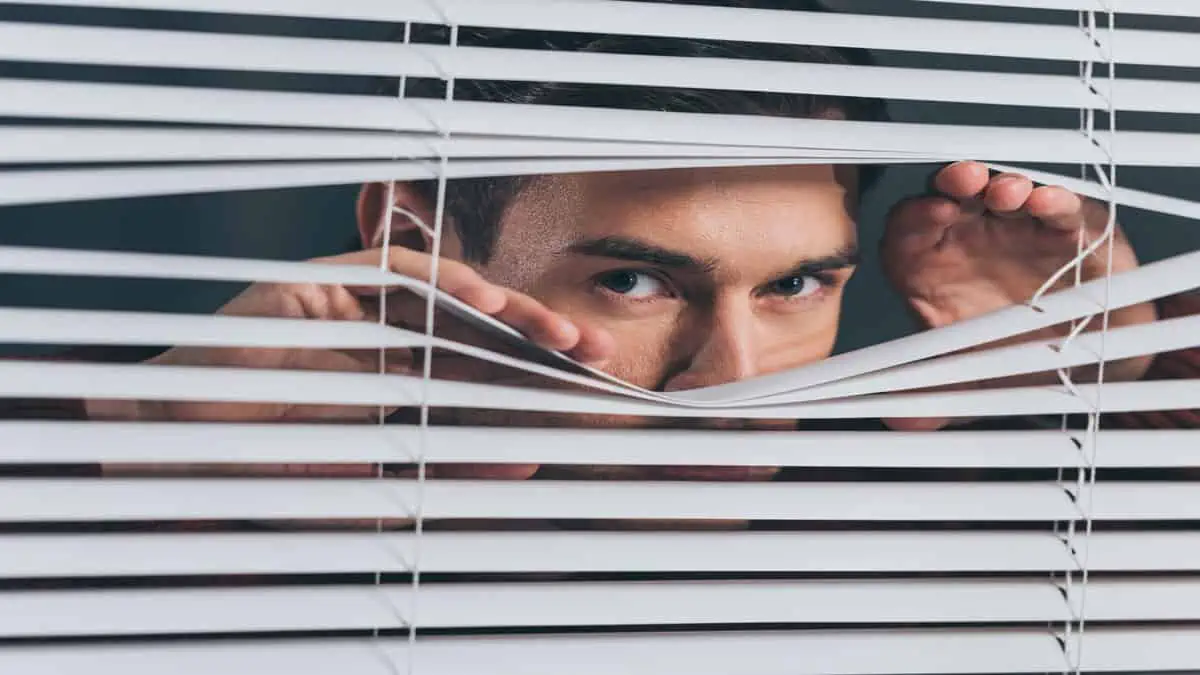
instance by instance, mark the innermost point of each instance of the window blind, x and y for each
(1069, 548)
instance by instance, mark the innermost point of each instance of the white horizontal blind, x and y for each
(951, 552)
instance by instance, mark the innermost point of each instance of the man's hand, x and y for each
(546, 328)
(987, 242)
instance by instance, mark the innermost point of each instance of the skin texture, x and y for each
(670, 280)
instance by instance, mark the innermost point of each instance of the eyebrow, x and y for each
(847, 256)
(635, 250)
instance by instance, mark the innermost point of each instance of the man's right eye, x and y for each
(632, 284)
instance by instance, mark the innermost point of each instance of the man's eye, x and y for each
(796, 286)
(632, 284)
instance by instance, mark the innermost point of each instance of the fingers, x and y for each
(544, 327)
(1007, 193)
(453, 278)
(541, 325)
(1012, 195)
(1057, 208)
(551, 330)
(962, 180)
(538, 323)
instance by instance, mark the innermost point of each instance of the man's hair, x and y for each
(476, 206)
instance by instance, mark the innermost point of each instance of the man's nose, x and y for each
(724, 351)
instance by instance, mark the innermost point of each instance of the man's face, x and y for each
(701, 276)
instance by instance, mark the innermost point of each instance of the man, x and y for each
(670, 279)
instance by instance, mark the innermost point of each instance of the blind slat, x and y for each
(1149, 7)
(134, 102)
(48, 186)
(175, 383)
(272, 54)
(773, 653)
(51, 442)
(78, 327)
(40, 500)
(1165, 277)
(151, 103)
(166, 553)
(893, 83)
(892, 652)
(58, 144)
(725, 23)
(55, 326)
(186, 49)
(856, 138)
(913, 84)
(562, 604)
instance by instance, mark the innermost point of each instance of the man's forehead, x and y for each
(752, 220)
(792, 202)
(730, 223)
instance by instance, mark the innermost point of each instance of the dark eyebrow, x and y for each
(847, 256)
(635, 250)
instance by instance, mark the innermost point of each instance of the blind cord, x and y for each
(430, 306)
(385, 241)
(1094, 419)
(1085, 476)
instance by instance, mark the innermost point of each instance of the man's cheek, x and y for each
(792, 347)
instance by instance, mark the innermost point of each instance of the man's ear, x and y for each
(411, 216)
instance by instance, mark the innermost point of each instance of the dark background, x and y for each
(303, 223)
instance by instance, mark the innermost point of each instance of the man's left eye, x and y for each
(796, 286)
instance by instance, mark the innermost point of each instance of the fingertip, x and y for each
(962, 180)
(558, 333)
(595, 346)
(1053, 201)
(1008, 192)
(568, 333)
